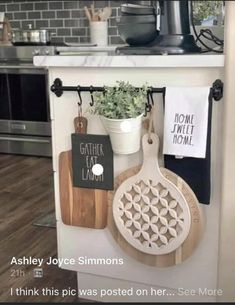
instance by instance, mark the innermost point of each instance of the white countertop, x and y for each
(110, 60)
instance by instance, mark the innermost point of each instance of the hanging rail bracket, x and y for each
(217, 90)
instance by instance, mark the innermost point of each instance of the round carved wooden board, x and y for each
(189, 244)
(149, 210)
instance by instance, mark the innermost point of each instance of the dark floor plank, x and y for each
(26, 193)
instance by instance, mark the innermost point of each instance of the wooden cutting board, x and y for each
(149, 210)
(190, 243)
(80, 207)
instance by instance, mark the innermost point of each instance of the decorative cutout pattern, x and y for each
(150, 218)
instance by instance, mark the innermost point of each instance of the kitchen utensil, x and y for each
(150, 211)
(94, 14)
(101, 14)
(79, 206)
(190, 243)
(99, 33)
(31, 36)
(88, 15)
(5, 31)
(92, 11)
(2, 17)
(2, 23)
(138, 33)
(105, 13)
(96, 17)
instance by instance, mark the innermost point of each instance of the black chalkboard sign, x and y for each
(91, 153)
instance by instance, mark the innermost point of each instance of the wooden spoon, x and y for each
(87, 13)
(94, 15)
(107, 12)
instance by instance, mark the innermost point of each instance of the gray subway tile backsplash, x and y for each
(115, 40)
(24, 24)
(13, 7)
(26, 7)
(41, 6)
(84, 39)
(66, 18)
(42, 24)
(56, 23)
(77, 14)
(113, 21)
(83, 22)
(100, 4)
(112, 31)
(79, 32)
(34, 15)
(2, 7)
(87, 3)
(48, 15)
(71, 23)
(20, 16)
(70, 5)
(64, 32)
(55, 5)
(72, 39)
(10, 16)
(63, 14)
(16, 24)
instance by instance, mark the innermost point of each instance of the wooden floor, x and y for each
(26, 193)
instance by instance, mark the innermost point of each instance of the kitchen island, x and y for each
(107, 59)
(129, 280)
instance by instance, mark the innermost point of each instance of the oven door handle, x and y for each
(25, 140)
(21, 69)
(20, 66)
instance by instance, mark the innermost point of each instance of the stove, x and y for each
(25, 126)
(26, 53)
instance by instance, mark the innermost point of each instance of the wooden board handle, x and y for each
(80, 125)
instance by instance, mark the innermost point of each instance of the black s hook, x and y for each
(92, 97)
(151, 96)
(148, 107)
(79, 95)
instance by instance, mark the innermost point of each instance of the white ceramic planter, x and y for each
(124, 134)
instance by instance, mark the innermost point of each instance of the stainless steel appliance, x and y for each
(24, 102)
(175, 36)
(31, 36)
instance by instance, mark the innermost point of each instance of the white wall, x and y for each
(226, 279)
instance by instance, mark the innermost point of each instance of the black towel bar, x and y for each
(58, 89)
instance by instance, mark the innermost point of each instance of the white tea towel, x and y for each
(186, 120)
(2, 16)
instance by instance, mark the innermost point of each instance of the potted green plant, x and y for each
(121, 109)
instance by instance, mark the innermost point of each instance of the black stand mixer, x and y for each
(162, 28)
